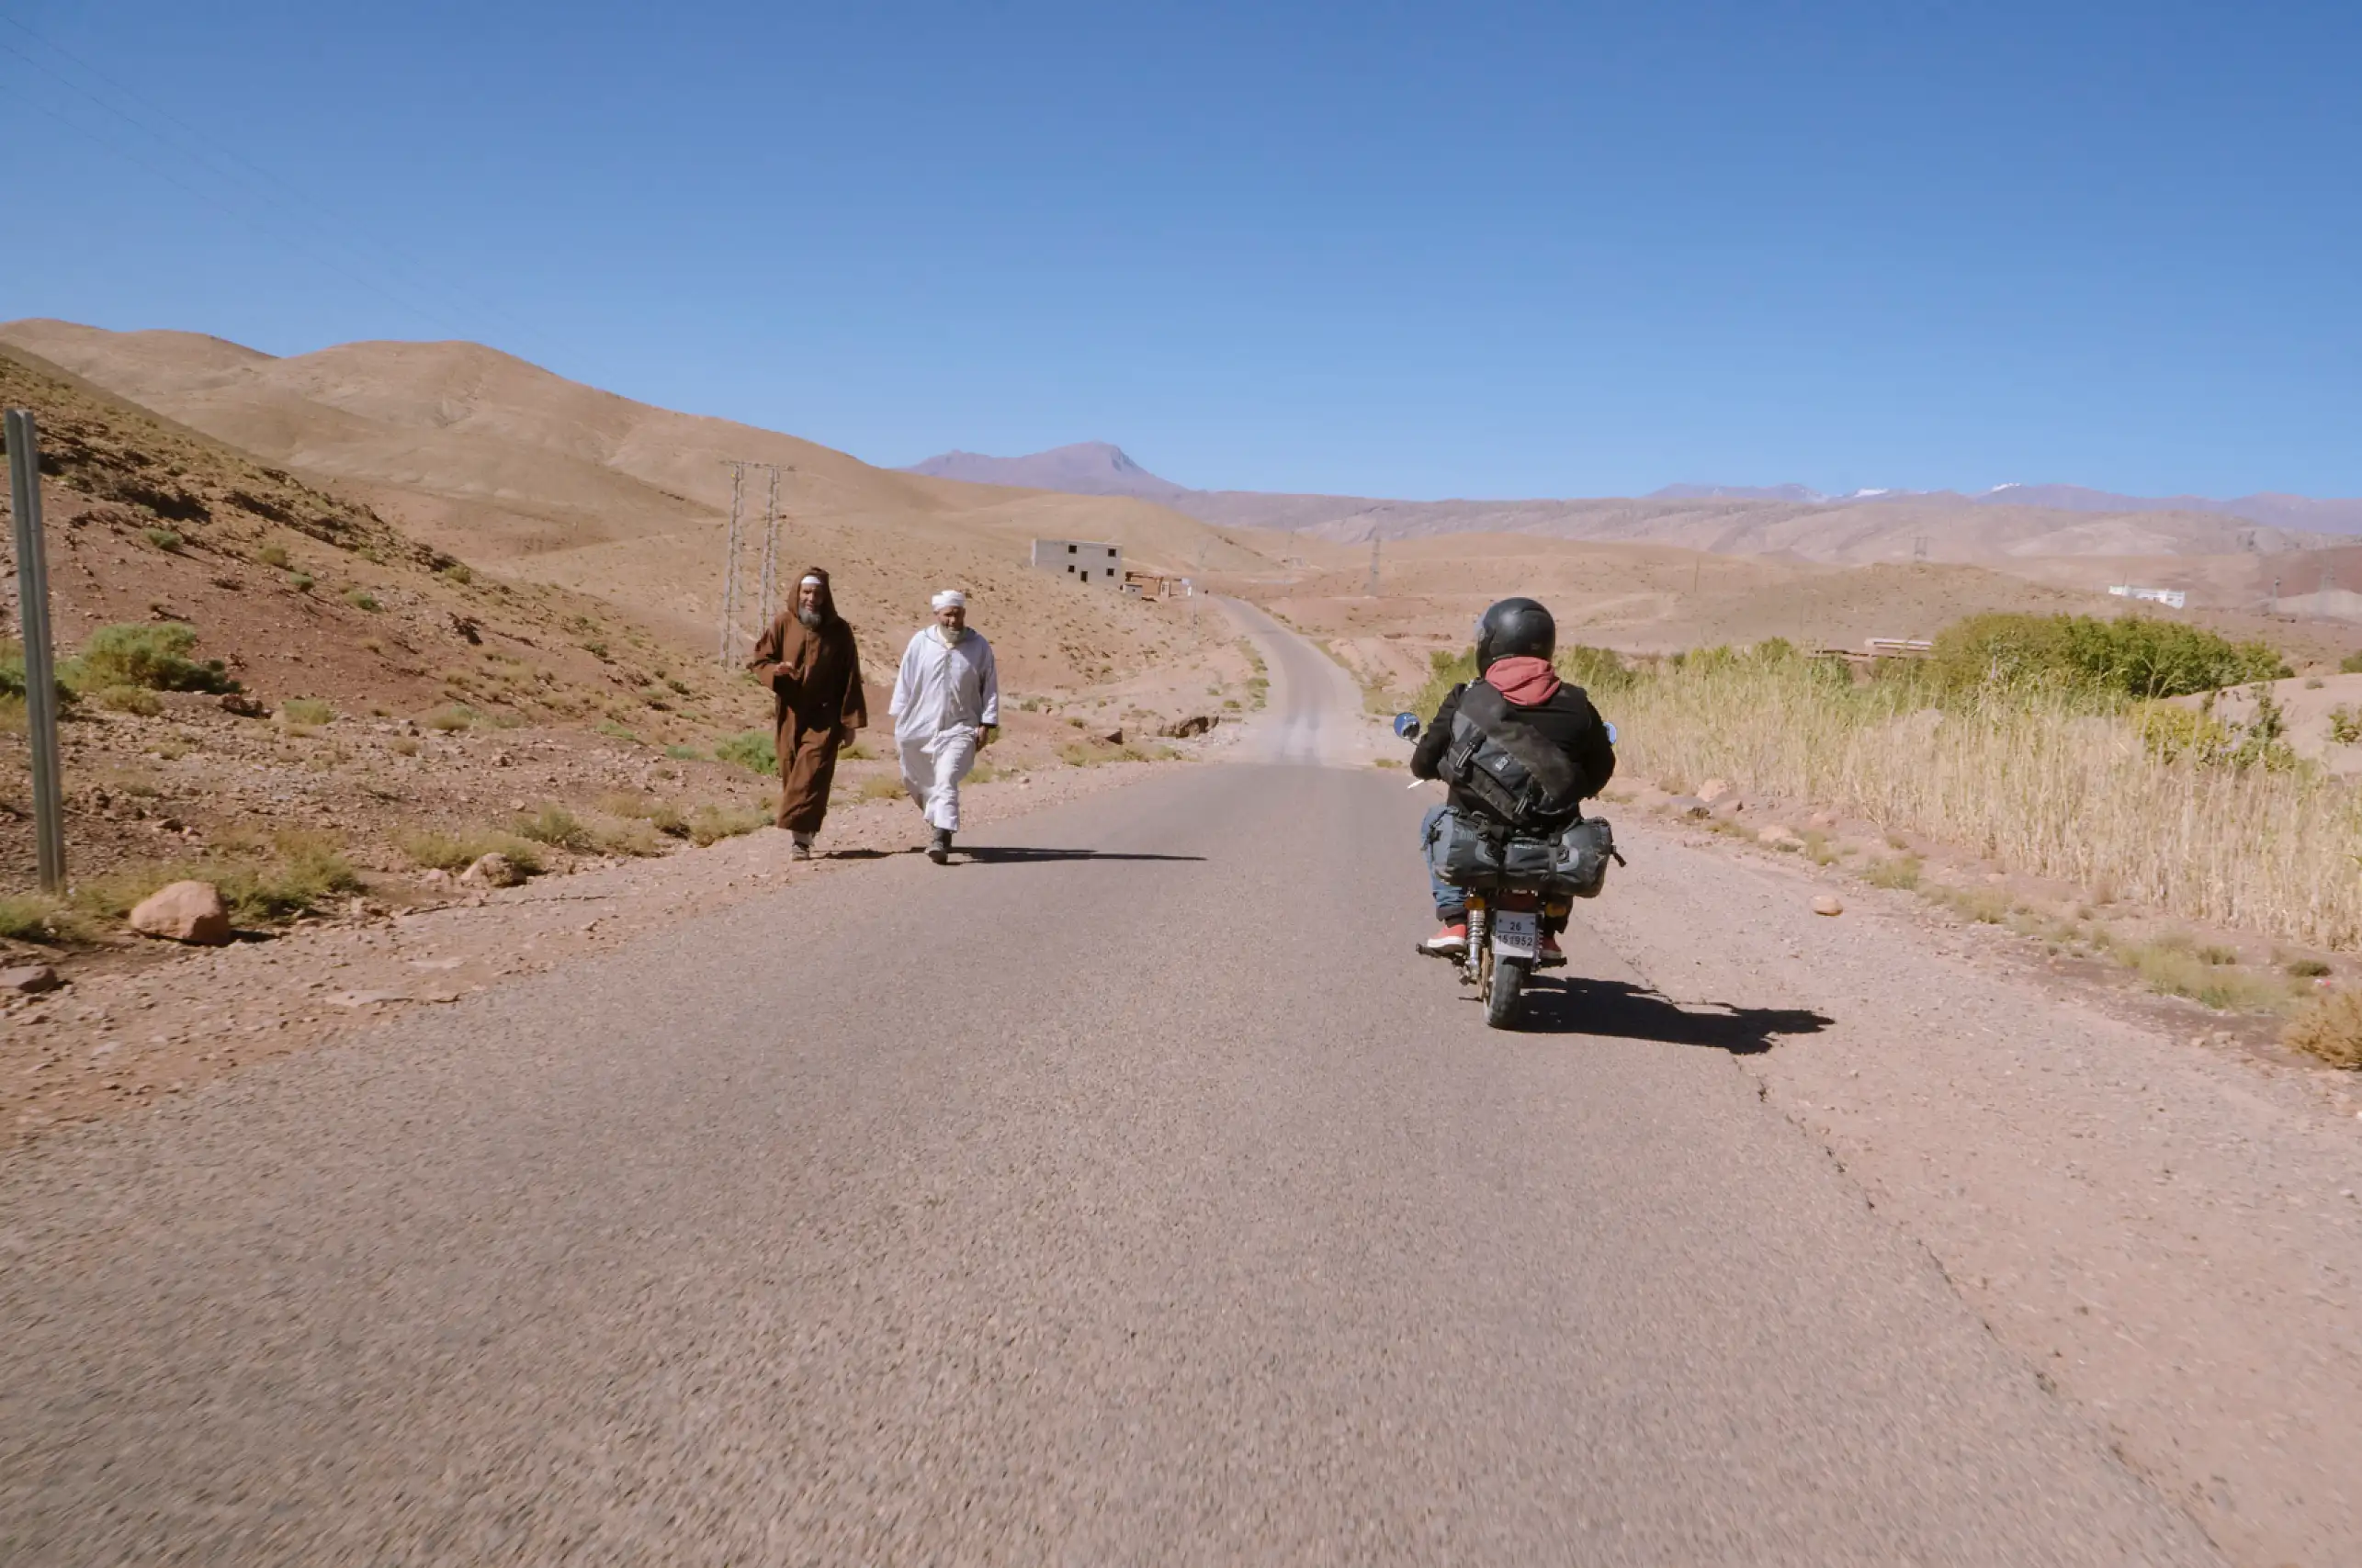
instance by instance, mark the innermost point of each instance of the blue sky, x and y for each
(1389, 249)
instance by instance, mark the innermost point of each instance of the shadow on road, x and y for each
(988, 855)
(1615, 1007)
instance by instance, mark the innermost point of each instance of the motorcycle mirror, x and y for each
(1406, 726)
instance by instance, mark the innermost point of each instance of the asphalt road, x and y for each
(1129, 1193)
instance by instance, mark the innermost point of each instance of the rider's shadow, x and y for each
(1617, 1009)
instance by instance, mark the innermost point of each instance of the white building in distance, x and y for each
(2172, 598)
(1085, 560)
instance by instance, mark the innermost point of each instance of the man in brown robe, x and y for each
(808, 660)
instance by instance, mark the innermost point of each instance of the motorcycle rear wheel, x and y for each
(1501, 995)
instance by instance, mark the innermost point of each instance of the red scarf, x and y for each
(1527, 682)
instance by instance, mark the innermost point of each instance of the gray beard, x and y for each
(811, 618)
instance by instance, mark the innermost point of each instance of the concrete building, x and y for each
(1085, 560)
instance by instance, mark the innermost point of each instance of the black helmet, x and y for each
(1514, 628)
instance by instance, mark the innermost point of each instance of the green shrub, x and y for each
(2305, 968)
(458, 572)
(2132, 656)
(39, 918)
(1902, 872)
(300, 581)
(272, 556)
(457, 716)
(163, 540)
(684, 753)
(756, 750)
(361, 599)
(2345, 726)
(150, 654)
(1596, 670)
(2351, 664)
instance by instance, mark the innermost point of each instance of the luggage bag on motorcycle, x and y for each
(1467, 852)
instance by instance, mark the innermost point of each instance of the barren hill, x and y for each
(1999, 528)
(507, 465)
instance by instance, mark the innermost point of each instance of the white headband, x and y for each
(814, 582)
(951, 598)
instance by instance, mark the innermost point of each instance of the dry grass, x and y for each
(882, 786)
(299, 871)
(2044, 784)
(711, 824)
(456, 849)
(2331, 1029)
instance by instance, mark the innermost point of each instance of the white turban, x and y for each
(814, 582)
(951, 599)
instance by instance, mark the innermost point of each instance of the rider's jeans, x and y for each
(1450, 906)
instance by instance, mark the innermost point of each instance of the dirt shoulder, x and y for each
(2166, 1225)
(158, 1020)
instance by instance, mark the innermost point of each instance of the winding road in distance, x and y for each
(1129, 1194)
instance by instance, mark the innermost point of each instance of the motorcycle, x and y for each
(1514, 882)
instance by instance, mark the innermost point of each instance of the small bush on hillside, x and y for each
(458, 572)
(2305, 968)
(457, 716)
(152, 654)
(2331, 1029)
(137, 700)
(300, 581)
(2351, 664)
(362, 599)
(39, 918)
(1596, 670)
(2345, 726)
(711, 824)
(756, 750)
(2132, 656)
(163, 540)
(555, 825)
(456, 848)
(272, 556)
(307, 710)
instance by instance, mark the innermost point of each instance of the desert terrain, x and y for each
(677, 1095)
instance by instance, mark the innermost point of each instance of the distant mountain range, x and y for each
(1777, 519)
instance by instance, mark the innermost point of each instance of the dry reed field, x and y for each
(2040, 782)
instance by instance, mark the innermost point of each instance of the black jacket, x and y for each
(1567, 721)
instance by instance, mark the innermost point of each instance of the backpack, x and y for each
(1507, 767)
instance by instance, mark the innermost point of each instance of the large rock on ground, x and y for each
(184, 911)
(29, 979)
(494, 869)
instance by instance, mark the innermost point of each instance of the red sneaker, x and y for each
(1552, 955)
(1452, 942)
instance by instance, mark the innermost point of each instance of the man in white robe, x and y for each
(946, 707)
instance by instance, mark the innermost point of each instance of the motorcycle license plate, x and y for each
(1517, 933)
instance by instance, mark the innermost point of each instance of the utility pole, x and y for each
(41, 657)
(734, 590)
(769, 551)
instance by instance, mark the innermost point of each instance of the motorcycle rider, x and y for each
(1515, 641)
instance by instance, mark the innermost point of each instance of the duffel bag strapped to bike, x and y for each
(1583, 852)
(1508, 767)
(1477, 854)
